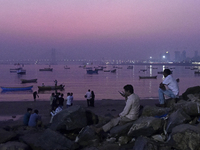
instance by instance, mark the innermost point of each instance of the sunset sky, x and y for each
(96, 29)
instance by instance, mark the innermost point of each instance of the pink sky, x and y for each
(90, 26)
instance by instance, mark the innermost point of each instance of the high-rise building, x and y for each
(177, 56)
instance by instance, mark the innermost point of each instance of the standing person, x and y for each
(61, 100)
(52, 97)
(35, 119)
(56, 82)
(88, 96)
(72, 98)
(27, 116)
(92, 99)
(34, 95)
(68, 100)
(171, 84)
(130, 112)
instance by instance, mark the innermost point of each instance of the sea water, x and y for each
(104, 84)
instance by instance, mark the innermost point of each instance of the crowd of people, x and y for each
(168, 87)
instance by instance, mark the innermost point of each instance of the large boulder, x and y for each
(155, 111)
(121, 129)
(146, 126)
(14, 145)
(87, 137)
(47, 140)
(185, 137)
(74, 117)
(177, 118)
(144, 143)
(190, 108)
(6, 136)
(191, 90)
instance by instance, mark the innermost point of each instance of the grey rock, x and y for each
(190, 108)
(87, 137)
(191, 90)
(54, 140)
(146, 126)
(177, 118)
(69, 119)
(155, 111)
(14, 145)
(121, 129)
(6, 136)
(185, 137)
(144, 143)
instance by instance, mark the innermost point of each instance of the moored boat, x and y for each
(21, 71)
(113, 71)
(147, 77)
(16, 88)
(28, 80)
(48, 88)
(90, 71)
(130, 67)
(46, 69)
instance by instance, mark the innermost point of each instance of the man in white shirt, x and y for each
(88, 97)
(172, 88)
(68, 103)
(130, 112)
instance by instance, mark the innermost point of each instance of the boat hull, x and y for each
(49, 88)
(92, 71)
(147, 77)
(46, 69)
(16, 88)
(29, 81)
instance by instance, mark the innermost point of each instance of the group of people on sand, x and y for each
(168, 87)
(90, 98)
(57, 103)
(32, 119)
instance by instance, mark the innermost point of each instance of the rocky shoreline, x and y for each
(174, 127)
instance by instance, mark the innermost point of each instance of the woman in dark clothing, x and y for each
(92, 99)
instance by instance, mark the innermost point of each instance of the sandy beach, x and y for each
(11, 113)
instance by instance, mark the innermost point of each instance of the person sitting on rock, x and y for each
(130, 112)
(172, 90)
(35, 119)
(27, 116)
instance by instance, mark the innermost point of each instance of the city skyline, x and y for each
(98, 29)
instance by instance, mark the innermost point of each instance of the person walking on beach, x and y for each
(172, 90)
(129, 113)
(88, 97)
(35, 94)
(27, 116)
(92, 99)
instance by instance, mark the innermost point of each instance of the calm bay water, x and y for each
(105, 84)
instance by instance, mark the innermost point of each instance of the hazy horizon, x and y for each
(98, 29)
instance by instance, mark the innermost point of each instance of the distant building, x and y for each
(177, 56)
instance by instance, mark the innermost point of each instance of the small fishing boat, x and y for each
(130, 67)
(90, 71)
(21, 71)
(48, 88)
(15, 69)
(106, 71)
(113, 71)
(197, 72)
(161, 72)
(28, 80)
(66, 67)
(46, 69)
(16, 88)
(147, 77)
